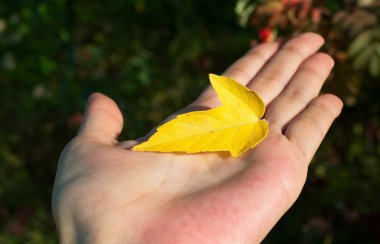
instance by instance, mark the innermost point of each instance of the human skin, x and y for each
(106, 193)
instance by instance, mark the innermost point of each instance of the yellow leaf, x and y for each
(235, 126)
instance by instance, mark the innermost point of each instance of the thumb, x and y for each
(102, 120)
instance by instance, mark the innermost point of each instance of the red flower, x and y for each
(265, 34)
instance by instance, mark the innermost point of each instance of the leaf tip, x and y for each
(212, 76)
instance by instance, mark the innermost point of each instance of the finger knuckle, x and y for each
(313, 73)
(274, 76)
(238, 73)
(297, 96)
(256, 53)
(325, 103)
(294, 50)
(315, 125)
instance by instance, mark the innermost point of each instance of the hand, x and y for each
(106, 193)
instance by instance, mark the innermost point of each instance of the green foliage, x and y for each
(153, 57)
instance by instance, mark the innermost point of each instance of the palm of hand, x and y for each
(124, 183)
(199, 198)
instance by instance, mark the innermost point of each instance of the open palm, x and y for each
(106, 193)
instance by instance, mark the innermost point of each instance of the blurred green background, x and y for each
(153, 57)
